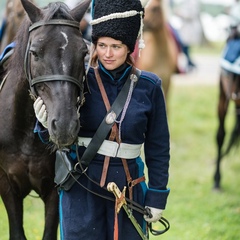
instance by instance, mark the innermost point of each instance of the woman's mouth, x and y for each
(108, 61)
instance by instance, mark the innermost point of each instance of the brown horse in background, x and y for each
(13, 16)
(160, 54)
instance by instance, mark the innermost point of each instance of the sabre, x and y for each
(112, 187)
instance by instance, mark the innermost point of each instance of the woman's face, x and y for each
(111, 53)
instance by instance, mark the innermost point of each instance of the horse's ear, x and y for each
(79, 11)
(33, 12)
(145, 3)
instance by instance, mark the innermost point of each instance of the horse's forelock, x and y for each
(57, 10)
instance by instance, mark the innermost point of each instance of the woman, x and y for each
(88, 214)
(190, 31)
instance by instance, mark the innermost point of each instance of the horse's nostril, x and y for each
(74, 127)
(54, 125)
(64, 133)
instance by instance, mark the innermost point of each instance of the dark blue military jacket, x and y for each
(145, 122)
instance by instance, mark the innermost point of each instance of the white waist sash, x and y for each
(113, 149)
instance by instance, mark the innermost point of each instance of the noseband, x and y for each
(55, 77)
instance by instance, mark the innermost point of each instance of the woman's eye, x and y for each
(101, 45)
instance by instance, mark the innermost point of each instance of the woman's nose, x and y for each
(108, 52)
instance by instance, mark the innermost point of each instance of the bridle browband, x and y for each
(66, 22)
(55, 77)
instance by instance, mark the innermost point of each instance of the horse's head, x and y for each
(154, 18)
(54, 65)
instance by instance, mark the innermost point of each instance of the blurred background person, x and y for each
(230, 60)
(190, 28)
(234, 14)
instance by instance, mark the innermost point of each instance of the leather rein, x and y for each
(55, 77)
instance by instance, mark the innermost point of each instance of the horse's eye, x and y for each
(39, 87)
(36, 57)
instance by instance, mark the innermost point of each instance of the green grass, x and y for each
(194, 211)
(33, 219)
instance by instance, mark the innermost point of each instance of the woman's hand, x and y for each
(40, 111)
(154, 216)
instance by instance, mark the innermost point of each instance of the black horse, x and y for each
(48, 60)
(229, 90)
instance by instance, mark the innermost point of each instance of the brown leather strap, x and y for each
(131, 183)
(129, 178)
(113, 131)
(102, 89)
(138, 180)
(107, 158)
(104, 171)
(112, 137)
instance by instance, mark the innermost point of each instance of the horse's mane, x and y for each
(55, 10)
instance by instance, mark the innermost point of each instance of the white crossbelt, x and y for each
(113, 149)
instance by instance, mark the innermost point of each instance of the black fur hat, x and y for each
(118, 19)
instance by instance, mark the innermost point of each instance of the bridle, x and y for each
(55, 77)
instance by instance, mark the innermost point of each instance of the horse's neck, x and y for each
(158, 39)
(15, 91)
(16, 115)
(160, 53)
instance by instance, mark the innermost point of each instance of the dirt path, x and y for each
(207, 72)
